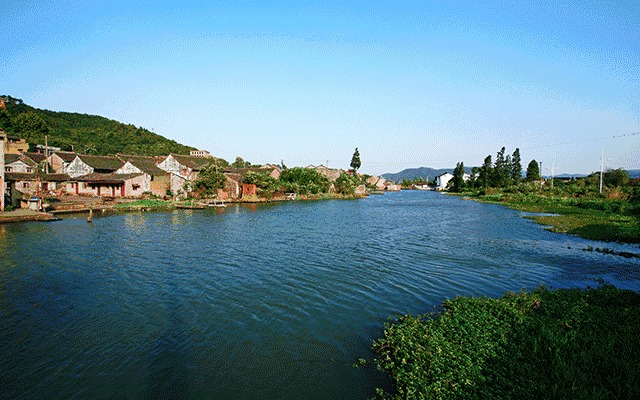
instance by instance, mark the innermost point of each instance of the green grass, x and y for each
(592, 217)
(548, 344)
(146, 204)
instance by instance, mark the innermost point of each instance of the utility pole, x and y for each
(46, 154)
(553, 165)
(541, 176)
(601, 168)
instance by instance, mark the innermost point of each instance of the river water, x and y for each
(257, 302)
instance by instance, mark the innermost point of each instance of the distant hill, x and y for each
(422, 172)
(82, 133)
(634, 173)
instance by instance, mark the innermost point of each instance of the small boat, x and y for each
(217, 203)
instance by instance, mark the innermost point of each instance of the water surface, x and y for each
(269, 302)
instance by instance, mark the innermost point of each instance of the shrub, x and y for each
(546, 344)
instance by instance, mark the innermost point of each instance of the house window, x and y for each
(29, 170)
(25, 185)
(8, 169)
(135, 186)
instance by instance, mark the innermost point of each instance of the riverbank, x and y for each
(25, 216)
(595, 219)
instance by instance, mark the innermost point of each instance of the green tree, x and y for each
(516, 166)
(209, 181)
(304, 181)
(616, 177)
(486, 172)
(458, 178)
(501, 171)
(533, 171)
(355, 160)
(346, 184)
(30, 124)
(266, 184)
(240, 163)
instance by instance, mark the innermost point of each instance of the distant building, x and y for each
(442, 180)
(3, 138)
(199, 153)
(15, 145)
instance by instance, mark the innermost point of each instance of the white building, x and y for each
(442, 180)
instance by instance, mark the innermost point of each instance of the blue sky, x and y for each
(409, 83)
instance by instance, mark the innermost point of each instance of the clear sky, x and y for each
(410, 83)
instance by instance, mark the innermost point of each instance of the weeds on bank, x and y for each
(547, 344)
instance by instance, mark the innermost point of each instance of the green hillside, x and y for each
(83, 133)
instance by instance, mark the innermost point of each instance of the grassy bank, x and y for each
(146, 205)
(594, 217)
(548, 344)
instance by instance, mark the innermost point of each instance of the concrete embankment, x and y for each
(25, 216)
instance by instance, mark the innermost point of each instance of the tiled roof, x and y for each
(144, 163)
(19, 176)
(195, 163)
(245, 171)
(106, 178)
(103, 163)
(36, 157)
(66, 156)
(11, 158)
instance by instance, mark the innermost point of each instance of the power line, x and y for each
(581, 141)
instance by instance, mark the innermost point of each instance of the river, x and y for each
(257, 302)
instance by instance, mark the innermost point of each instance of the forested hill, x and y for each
(422, 172)
(82, 133)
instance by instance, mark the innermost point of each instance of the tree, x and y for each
(240, 163)
(458, 178)
(30, 123)
(533, 171)
(266, 184)
(486, 171)
(355, 160)
(501, 172)
(346, 184)
(209, 181)
(616, 177)
(516, 167)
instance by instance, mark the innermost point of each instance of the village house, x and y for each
(273, 172)
(442, 180)
(15, 145)
(186, 167)
(20, 186)
(60, 160)
(40, 159)
(159, 180)
(19, 163)
(84, 164)
(3, 138)
(199, 153)
(109, 185)
(331, 174)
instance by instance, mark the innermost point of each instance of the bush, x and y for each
(544, 345)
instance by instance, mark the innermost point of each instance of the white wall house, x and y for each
(442, 180)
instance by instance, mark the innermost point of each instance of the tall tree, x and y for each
(533, 171)
(516, 167)
(486, 172)
(501, 171)
(458, 177)
(355, 160)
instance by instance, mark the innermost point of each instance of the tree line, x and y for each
(506, 171)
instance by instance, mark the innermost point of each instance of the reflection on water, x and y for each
(256, 301)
